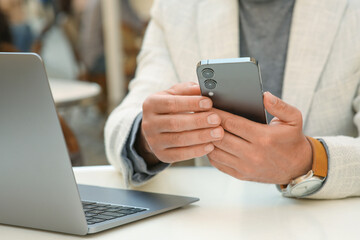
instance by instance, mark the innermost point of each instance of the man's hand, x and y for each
(274, 153)
(177, 124)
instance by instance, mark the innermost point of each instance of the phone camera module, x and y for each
(210, 83)
(207, 73)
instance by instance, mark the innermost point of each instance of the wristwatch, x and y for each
(314, 179)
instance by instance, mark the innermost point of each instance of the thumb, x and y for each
(281, 110)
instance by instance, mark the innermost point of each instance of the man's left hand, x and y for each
(274, 153)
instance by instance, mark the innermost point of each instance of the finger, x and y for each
(187, 88)
(281, 110)
(230, 164)
(236, 174)
(240, 126)
(171, 155)
(246, 163)
(226, 169)
(187, 121)
(176, 104)
(190, 138)
(239, 174)
(225, 158)
(233, 145)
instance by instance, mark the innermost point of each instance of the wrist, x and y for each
(313, 180)
(304, 165)
(144, 150)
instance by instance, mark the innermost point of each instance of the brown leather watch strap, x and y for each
(320, 158)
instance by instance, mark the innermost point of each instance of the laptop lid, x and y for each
(38, 188)
(36, 178)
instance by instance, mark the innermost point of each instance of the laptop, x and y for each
(37, 184)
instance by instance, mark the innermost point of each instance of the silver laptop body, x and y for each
(37, 184)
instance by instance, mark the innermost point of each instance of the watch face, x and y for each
(306, 187)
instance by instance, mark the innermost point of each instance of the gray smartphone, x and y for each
(234, 85)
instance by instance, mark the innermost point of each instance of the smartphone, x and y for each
(234, 85)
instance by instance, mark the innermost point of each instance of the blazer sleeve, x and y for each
(155, 72)
(343, 178)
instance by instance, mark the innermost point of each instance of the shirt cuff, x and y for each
(140, 171)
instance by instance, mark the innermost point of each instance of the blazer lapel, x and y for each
(314, 27)
(218, 29)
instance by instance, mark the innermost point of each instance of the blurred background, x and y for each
(89, 48)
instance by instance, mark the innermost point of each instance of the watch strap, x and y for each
(320, 158)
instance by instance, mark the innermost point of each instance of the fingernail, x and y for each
(213, 119)
(272, 98)
(205, 103)
(209, 148)
(216, 133)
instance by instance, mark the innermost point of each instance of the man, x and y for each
(315, 71)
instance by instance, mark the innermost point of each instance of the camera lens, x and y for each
(208, 73)
(210, 83)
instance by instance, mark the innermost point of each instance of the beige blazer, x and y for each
(321, 77)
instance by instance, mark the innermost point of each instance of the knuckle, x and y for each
(175, 139)
(282, 106)
(227, 123)
(204, 136)
(146, 125)
(193, 104)
(298, 116)
(214, 154)
(146, 106)
(199, 151)
(173, 124)
(170, 104)
(199, 121)
(220, 142)
(190, 104)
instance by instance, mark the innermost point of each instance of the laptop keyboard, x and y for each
(100, 212)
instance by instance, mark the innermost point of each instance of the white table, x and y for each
(73, 92)
(228, 209)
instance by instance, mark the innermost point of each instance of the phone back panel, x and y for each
(238, 87)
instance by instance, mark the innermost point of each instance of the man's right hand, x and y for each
(178, 125)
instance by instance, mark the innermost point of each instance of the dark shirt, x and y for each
(264, 35)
